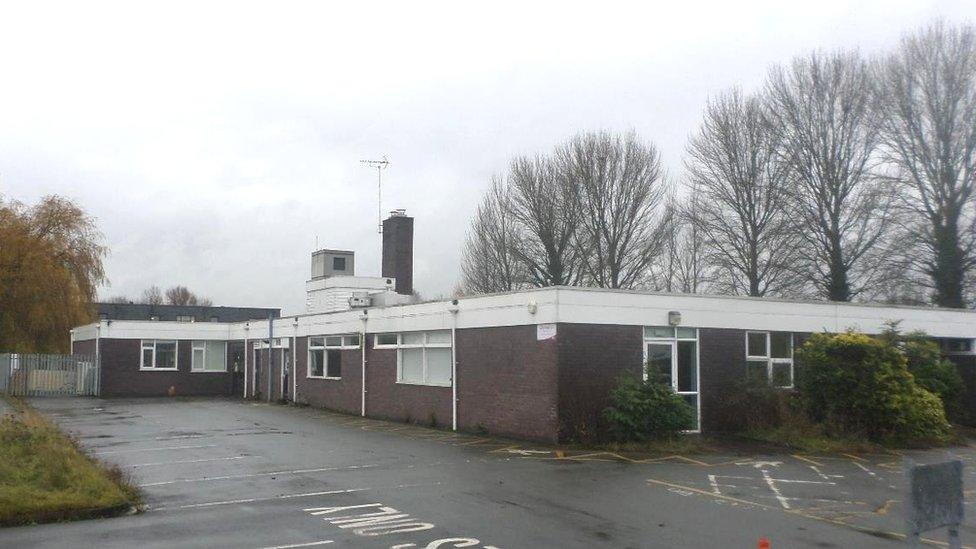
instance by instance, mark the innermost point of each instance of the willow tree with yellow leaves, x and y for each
(50, 266)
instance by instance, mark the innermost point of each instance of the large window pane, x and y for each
(781, 344)
(334, 363)
(333, 341)
(316, 363)
(197, 360)
(216, 356)
(782, 374)
(166, 354)
(687, 366)
(386, 339)
(316, 341)
(687, 333)
(756, 371)
(147, 357)
(756, 344)
(412, 365)
(439, 366)
(659, 362)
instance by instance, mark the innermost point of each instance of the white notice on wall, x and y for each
(545, 331)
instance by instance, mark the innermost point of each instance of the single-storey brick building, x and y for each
(535, 364)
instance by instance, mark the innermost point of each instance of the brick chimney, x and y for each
(398, 250)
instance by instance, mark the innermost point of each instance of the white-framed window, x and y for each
(158, 355)
(325, 355)
(208, 356)
(769, 358)
(671, 355)
(423, 358)
(185, 318)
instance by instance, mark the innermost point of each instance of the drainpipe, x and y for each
(247, 351)
(362, 343)
(294, 364)
(270, 351)
(454, 400)
(98, 359)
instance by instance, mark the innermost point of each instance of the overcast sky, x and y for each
(214, 142)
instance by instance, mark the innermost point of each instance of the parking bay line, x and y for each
(296, 545)
(249, 475)
(189, 461)
(107, 452)
(255, 500)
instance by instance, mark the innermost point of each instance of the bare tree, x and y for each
(121, 299)
(681, 265)
(619, 190)
(545, 210)
(821, 104)
(152, 296)
(927, 109)
(742, 210)
(181, 295)
(488, 261)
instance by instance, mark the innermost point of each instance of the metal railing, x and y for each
(28, 374)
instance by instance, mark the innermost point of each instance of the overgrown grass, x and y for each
(45, 477)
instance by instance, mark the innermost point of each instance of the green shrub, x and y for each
(750, 404)
(646, 409)
(932, 371)
(857, 385)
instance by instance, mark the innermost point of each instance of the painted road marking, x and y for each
(189, 461)
(106, 452)
(250, 475)
(254, 500)
(379, 520)
(775, 490)
(294, 545)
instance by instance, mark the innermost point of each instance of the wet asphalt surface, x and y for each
(224, 473)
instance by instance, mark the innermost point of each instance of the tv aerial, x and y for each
(380, 165)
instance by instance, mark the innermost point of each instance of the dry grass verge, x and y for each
(46, 477)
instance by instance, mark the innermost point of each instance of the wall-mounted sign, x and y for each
(545, 331)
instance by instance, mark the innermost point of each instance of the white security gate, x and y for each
(23, 374)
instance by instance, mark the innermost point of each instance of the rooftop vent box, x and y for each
(360, 299)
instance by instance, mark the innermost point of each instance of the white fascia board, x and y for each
(155, 329)
(86, 332)
(588, 306)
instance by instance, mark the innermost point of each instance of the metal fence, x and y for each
(23, 374)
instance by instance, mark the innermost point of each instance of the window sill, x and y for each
(324, 377)
(208, 371)
(159, 369)
(422, 384)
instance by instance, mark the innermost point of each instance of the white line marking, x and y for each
(803, 481)
(188, 461)
(153, 449)
(776, 492)
(865, 469)
(816, 470)
(249, 475)
(309, 544)
(253, 500)
(714, 483)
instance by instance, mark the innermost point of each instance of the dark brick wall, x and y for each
(385, 398)
(722, 353)
(121, 376)
(86, 347)
(344, 395)
(591, 358)
(507, 382)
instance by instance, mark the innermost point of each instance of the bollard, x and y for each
(763, 543)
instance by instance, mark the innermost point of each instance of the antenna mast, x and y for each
(380, 165)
